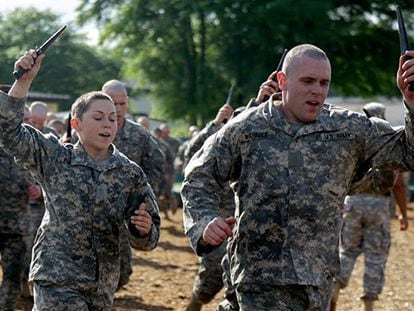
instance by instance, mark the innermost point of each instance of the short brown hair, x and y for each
(83, 103)
(303, 49)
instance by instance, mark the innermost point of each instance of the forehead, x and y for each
(102, 105)
(306, 66)
(117, 95)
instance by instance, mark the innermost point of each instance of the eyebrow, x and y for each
(101, 112)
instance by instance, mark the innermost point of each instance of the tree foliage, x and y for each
(71, 66)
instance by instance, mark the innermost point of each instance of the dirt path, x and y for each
(162, 279)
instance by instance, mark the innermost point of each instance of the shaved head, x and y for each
(113, 86)
(38, 111)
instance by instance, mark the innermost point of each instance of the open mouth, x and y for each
(313, 103)
(106, 135)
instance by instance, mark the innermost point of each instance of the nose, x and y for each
(316, 89)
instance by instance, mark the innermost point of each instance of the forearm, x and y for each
(400, 194)
(20, 89)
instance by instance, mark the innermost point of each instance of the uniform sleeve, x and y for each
(30, 147)
(197, 141)
(205, 177)
(144, 193)
(153, 162)
(390, 148)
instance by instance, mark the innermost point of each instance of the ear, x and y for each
(75, 123)
(282, 80)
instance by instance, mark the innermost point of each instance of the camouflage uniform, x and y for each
(366, 229)
(76, 251)
(37, 210)
(139, 146)
(209, 278)
(166, 199)
(14, 226)
(290, 187)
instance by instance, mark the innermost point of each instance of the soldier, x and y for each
(165, 198)
(174, 143)
(179, 161)
(137, 144)
(366, 225)
(214, 267)
(39, 111)
(14, 226)
(91, 190)
(209, 280)
(293, 161)
(38, 116)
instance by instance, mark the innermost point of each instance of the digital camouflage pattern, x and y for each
(12, 250)
(209, 278)
(290, 187)
(14, 197)
(14, 225)
(197, 141)
(139, 146)
(77, 244)
(366, 229)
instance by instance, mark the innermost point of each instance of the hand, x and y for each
(20, 87)
(224, 113)
(31, 62)
(268, 88)
(403, 223)
(405, 76)
(35, 191)
(218, 230)
(142, 221)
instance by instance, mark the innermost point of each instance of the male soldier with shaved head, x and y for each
(292, 161)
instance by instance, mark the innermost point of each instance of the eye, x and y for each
(98, 118)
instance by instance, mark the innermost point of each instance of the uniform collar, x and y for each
(324, 122)
(81, 158)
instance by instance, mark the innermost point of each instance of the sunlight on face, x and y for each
(98, 127)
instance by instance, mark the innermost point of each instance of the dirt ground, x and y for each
(162, 279)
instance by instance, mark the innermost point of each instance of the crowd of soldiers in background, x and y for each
(22, 201)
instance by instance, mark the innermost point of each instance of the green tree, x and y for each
(189, 51)
(71, 66)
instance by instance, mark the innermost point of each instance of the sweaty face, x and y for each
(120, 99)
(98, 127)
(305, 89)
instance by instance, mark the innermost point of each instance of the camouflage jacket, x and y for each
(14, 197)
(197, 141)
(138, 145)
(376, 182)
(290, 187)
(226, 202)
(77, 244)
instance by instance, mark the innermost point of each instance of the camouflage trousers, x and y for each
(37, 210)
(49, 296)
(284, 297)
(209, 278)
(125, 253)
(229, 303)
(365, 229)
(12, 250)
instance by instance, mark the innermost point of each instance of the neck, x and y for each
(121, 123)
(96, 154)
